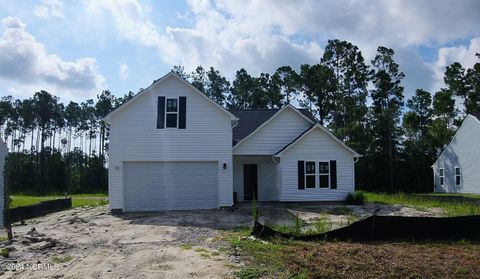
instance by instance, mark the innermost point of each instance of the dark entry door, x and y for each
(250, 186)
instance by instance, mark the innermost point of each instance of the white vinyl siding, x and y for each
(280, 131)
(151, 186)
(267, 175)
(317, 146)
(463, 152)
(134, 137)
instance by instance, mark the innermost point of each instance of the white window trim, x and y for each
(309, 174)
(441, 174)
(459, 175)
(171, 112)
(317, 175)
(324, 174)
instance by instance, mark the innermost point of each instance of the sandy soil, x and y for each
(93, 243)
(102, 245)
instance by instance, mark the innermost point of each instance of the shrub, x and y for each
(356, 199)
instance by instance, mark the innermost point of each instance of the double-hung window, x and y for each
(310, 174)
(171, 113)
(317, 174)
(458, 176)
(442, 177)
(323, 175)
(317, 177)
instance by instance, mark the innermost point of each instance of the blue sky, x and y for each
(75, 49)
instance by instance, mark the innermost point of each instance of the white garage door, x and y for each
(151, 186)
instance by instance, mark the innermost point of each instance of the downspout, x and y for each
(235, 123)
(275, 161)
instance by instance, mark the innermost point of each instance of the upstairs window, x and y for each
(458, 176)
(442, 177)
(171, 113)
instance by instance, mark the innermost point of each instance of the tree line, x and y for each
(64, 148)
(363, 104)
(56, 148)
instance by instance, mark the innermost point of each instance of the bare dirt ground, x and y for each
(93, 243)
(102, 245)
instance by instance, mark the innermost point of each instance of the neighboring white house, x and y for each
(3, 155)
(172, 147)
(457, 169)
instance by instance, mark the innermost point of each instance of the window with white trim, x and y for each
(458, 176)
(442, 177)
(324, 174)
(317, 177)
(171, 113)
(310, 174)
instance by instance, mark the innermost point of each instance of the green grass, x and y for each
(263, 258)
(450, 208)
(4, 252)
(474, 196)
(186, 246)
(77, 200)
(281, 258)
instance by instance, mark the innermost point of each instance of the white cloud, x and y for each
(26, 66)
(465, 55)
(214, 40)
(123, 71)
(49, 8)
(262, 35)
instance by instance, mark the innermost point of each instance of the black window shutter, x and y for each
(182, 113)
(301, 175)
(333, 174)
(161, 113)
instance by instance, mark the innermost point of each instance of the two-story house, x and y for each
(171, 147)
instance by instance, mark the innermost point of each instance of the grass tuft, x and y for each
(186, 246)
(4, 252)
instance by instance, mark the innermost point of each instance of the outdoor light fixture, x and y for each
(224, 166)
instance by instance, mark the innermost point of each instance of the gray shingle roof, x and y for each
(476, 114)
(250, 119)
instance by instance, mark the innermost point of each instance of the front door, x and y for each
(250, 186)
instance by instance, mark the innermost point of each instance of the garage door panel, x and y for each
(170, 185)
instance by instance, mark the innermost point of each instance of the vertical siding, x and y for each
(134, 137)
(268, 187)
(284, 128)
(463, 152)
(316, 146)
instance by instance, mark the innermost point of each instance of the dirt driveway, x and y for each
(93, 243)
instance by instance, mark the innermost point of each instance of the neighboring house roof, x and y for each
(252, 120)
(306, 132)
(474, 115)
(109, 116)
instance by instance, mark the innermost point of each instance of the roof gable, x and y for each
(251, 121)
(308, 131)
(145, 91)
(474, 117)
